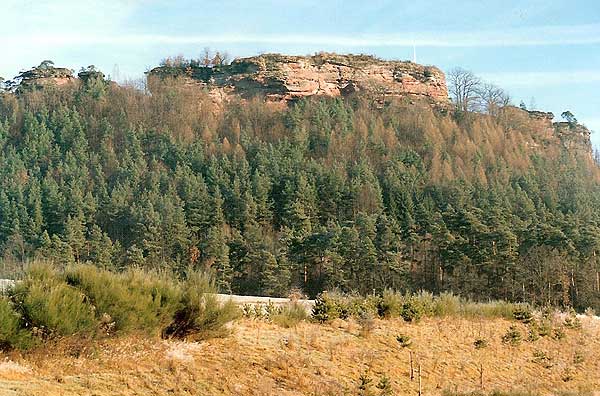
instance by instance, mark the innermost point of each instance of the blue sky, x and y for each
(543, 52)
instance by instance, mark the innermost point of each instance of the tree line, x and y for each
(324, 194)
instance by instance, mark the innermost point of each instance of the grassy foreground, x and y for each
(335, 358)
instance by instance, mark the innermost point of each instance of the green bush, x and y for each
(133, 300)
(542, 358)
(492, 309)
(412, 311)
(558, 333)
(572, 321)
(513, 336)
(480, 343)
(84, 300)
(447, 304)
(290, 315)
(424, 301)
(390, 304)
(366, 321)
(201, 314)
(12, 334)
(326, 308)
(50, 305)
(523, 313)
(403, 340)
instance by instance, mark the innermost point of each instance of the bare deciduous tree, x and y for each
(464, 87)
(492, 98)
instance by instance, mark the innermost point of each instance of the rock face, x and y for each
(283, 78)
(43, 76)
(572, 136)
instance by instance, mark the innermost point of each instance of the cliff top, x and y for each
(287, 77)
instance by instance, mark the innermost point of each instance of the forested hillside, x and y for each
(324, 193)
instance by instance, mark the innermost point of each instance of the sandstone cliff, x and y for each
(572, 136)
(43, 76)
(286, 78)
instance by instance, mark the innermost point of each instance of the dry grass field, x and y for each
(260, 358)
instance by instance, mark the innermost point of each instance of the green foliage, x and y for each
(523, 313)
(480, 343)
(133, 300)
(543, 359)
(326, 194)
(51, 306)
(411, 311)
(87, 301)
(384, 386)
(202, 315)
(290, 315)
(326, 308)
(572, 321)
(558, 333)
(12, 334)
(364, 384)
(404, 340)
(512, 336)
(366, 321)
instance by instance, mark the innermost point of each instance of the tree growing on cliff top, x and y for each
(569, 117)
(470, 93)
(464, 88)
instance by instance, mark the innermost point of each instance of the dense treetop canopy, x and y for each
(323, 194)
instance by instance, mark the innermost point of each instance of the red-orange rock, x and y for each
(287, 78)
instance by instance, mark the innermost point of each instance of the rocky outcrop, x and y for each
(43, 76)
(284, 78)
(571, 135)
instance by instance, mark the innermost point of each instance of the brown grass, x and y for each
(259, 358)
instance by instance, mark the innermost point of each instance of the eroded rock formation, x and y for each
(572, 136)
(286, 78)
(43, 76)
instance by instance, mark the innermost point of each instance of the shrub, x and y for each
(12, 335)
(447, 304)
(134, 300)
(492, 309)
(411, 311)
(201, 315)
(533, 334)
(523, 313)
(513, 336)
(390, 304)
(572, 321)
(290, 315)
(404, 340)
(558, 333)
(541, 358)
(424, 301)
(325, 308)
(385, 386)
(366, 322)
(364, 384)
(480, 343)
(51, 305)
